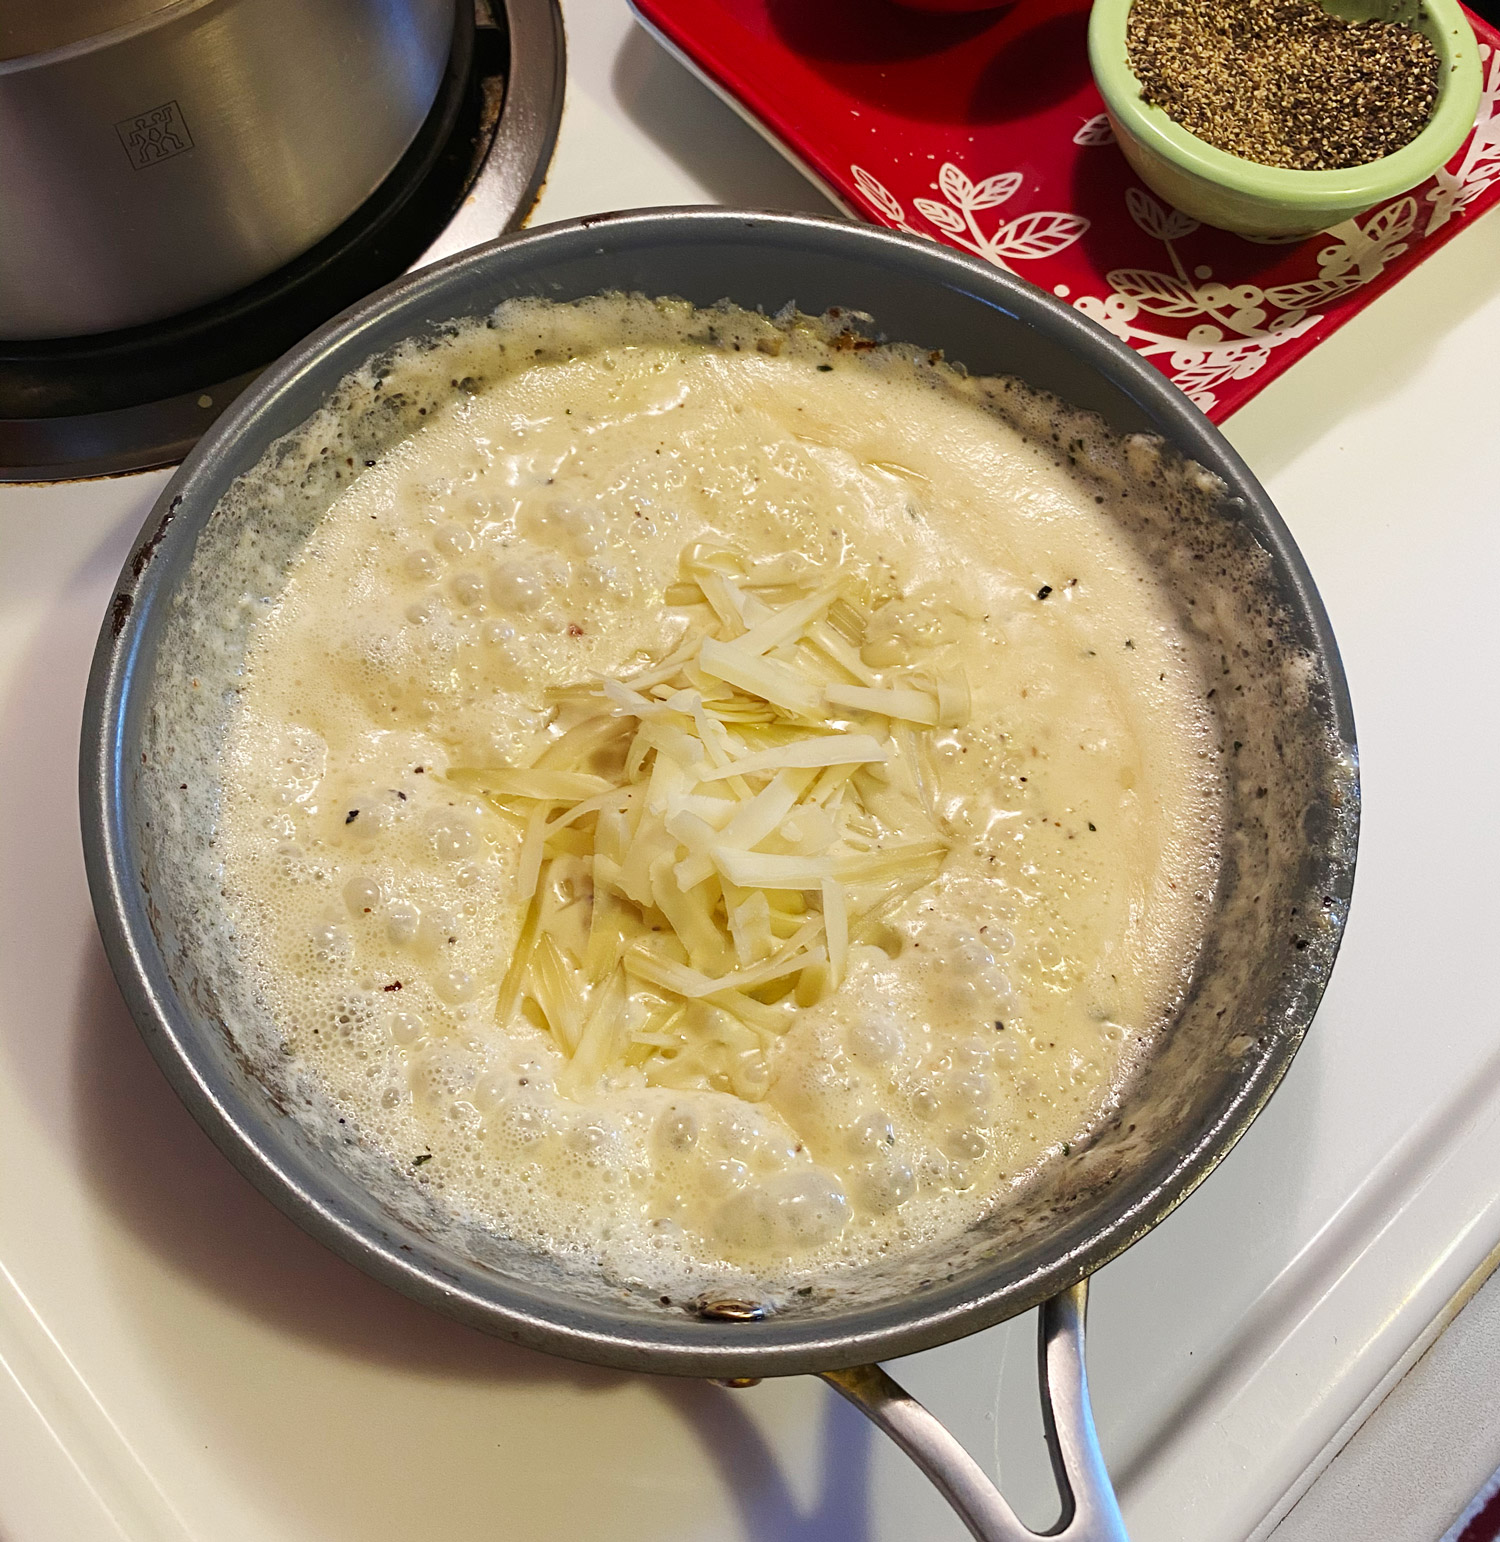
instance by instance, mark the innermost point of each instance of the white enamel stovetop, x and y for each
(180, 1362)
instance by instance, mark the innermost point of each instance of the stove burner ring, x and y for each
(125, 401)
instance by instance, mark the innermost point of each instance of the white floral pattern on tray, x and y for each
(1202, 333)
(1098, 130)
(1026, 238)
(1233, 329)
(1480, 166)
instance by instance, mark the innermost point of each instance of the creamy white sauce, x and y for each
(526, 538)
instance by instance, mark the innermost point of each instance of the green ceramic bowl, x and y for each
(1234, 194)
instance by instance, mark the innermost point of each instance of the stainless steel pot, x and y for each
(162, 153)
(165, 672)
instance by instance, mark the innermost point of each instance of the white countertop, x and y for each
(1432, 1444)
(181, 1362)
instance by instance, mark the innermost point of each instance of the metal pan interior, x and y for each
(164, 678)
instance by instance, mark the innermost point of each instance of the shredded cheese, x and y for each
(729, 820)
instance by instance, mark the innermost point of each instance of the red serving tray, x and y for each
(985, 131)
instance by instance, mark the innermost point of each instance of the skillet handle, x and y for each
(1090, 1512)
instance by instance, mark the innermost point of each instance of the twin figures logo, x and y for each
(155, 135)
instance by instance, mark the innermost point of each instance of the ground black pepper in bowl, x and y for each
(1281, 82)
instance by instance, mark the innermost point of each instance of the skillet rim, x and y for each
(680, 1345)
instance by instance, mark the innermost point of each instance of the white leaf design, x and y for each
(877, 194)
(1042, 234)
(1146, 212)
(1394, 222)
(1472, 190)
(1204, 377)
(1096, 131)
(1159, 223)
(1484, 160)
(955, 186)
(1162, 293)
(940, 215)
(994, 190)
(1315, 291)
(1179, 225)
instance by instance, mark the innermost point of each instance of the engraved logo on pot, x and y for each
(154, 135)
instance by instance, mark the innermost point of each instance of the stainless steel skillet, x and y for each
(163, 684)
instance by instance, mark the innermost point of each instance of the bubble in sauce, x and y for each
(403, 919)
(875, 1040)
(965, 1145)
(454, 986)
(404, 1027)
(971, 1090)
(330, 943)
(871, 1131)
(438, 928)
(677, 1129)
(361, 895)
(925, 1103)
(468, 589)
(786, 1213)
(516, 588)
(883, 1186)
(596, 1141)
(452, 835)
(452, 540)
(723, 1176)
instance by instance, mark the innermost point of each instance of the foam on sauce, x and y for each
(529, 537)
